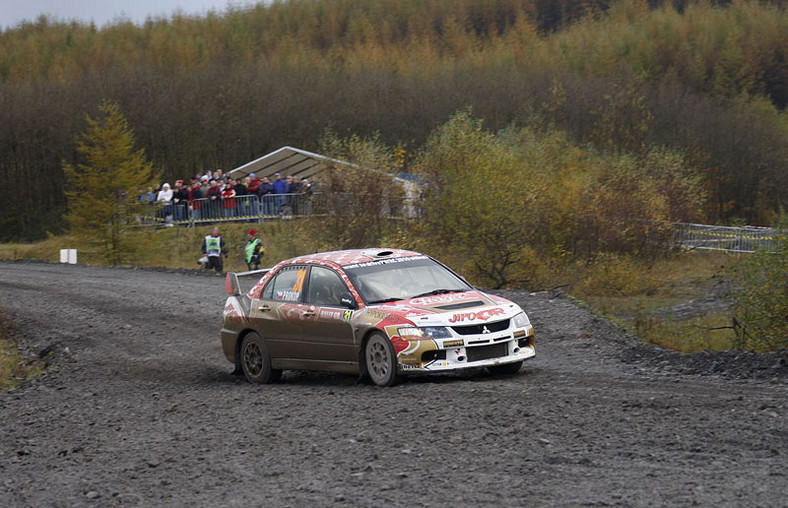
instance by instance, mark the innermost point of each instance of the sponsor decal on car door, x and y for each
(277, 315)
(328, 334)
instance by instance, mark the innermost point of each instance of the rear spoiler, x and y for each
(231, 284)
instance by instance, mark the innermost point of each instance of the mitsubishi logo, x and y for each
(485, 330)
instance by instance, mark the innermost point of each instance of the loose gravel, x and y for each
(138, 408)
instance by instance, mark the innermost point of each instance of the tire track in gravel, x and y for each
(149, 414)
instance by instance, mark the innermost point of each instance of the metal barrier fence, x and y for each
(251, 207)
(725, 238)
(257, 208)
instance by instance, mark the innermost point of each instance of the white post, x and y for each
(68, 256)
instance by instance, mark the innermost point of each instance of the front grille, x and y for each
(484, 352)
(479, 329)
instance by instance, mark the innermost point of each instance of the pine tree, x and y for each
(103, 191)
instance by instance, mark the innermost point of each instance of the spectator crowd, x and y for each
(215, 196)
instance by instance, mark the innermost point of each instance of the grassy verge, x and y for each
(678, 303)
(14, 369)
(179, 247)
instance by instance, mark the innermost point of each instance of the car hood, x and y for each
(451, 309)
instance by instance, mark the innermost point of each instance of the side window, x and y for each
(325, 287)
(287, 285)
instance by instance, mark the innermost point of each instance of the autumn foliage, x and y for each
(681, 88)
(103, 189)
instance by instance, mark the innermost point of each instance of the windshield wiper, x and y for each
(439, 292)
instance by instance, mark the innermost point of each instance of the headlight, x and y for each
(425, 332)
(520, 320)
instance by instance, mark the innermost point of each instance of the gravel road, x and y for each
(138, 408)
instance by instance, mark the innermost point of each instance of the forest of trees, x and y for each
(705, 80)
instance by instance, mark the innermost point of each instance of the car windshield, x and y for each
(389, 280)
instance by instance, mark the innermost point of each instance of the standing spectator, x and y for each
(195, 201)
(149, 197)
(253, 250)
(221, 178)
(297, 199)
(241, 198)
(164, 199)
(266, 187)
(279, 184)
(165, 194)
(289, 205)
(265, 192)
(281, 187)
(213, 248)
(306, 197)
(144, 211)
(214, 195)
(252, 186)
(180, 198)
(228, 199)
(252, 183)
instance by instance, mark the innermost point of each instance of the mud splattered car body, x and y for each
(381, 313)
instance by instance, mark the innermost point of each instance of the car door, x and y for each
(328, 334)
(278, 314)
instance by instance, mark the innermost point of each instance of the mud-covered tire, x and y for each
(381, 360)
(256, 362)
(507, 369)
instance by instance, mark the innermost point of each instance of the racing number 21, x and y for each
(299, 283)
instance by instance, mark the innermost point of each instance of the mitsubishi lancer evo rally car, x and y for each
(378, 313)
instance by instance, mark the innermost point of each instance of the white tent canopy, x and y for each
(286, 161)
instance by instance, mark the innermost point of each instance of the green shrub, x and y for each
(760, 294)
(615, 275)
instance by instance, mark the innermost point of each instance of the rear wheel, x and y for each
(256, 362)
(381, 360)
(507, 369)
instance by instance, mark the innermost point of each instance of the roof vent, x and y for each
(378, 253)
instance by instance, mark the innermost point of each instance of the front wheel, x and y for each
(256, 362)
(381, 360)
(507, 369)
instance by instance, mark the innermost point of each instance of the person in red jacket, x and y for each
(228, 199)
(195, 201)
(252, 184)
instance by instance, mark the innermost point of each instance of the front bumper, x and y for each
(460, 352)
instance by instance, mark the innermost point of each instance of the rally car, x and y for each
(378, 313)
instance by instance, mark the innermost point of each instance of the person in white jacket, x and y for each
(165, 194)
(164, 199)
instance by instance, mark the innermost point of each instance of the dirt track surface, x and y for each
(139, 408)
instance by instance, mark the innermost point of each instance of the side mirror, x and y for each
(346, 300)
